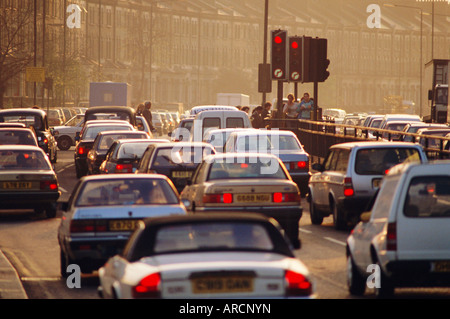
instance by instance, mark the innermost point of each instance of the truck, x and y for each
(437, 76)
(233, 99)
(109, 94)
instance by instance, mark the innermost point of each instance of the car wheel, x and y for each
(50, 211)
(386, 288)
(316, 216)
(339, 221)
(64, 143)
(355, 281)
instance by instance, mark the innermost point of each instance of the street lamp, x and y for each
(421, 48)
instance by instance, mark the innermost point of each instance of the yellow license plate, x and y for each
(181, 174)
(16, 185)
(253, 198)
(376, 183)
(222, 284)
(123, 225)
(442, 266)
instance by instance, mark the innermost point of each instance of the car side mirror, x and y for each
(365, 217)
(318, 167)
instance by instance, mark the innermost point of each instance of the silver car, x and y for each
(105, 209)
(350, 175)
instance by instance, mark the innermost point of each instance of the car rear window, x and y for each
(377, 161)
(91, 132)
(17, 137)
(181, 155)
(240, 169)
(23, 160)
(428, 196)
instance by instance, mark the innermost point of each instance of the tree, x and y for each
(15, 43)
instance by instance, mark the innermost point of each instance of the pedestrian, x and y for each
(257, 120)
(306, 106)
(246, 109)
(266, 110)
(140, 109)
(147, 114)
(291, 111)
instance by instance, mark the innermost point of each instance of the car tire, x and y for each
(315, 215)
(50, 211)
(355, 281)
(338, 220)
(64, 143)
(386, 288)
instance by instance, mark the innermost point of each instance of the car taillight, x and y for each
(86, 226)
(48, 185)
(297, 284)
(391, 237)
(285, 197)
(348, 187)
(226, 198)
(124, 168)
(148, 287)
(82, 150)
(300, 165)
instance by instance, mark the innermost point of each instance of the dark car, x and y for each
(17, 136)
(176, 160)
(103, 142)
(86, 140)
(37, 120)
(125, 113)
(124, 155)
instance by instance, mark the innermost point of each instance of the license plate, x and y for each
(181, 174)
(442, 266)
(123, 225)
(16, 185)
(253, 198)
(222, 284)
(376, 183)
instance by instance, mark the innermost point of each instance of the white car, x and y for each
(65, 134)
(202, 256)
(405, 238)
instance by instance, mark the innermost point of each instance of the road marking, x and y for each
(336, 241)
(64, 168)
(305, 231)
(40, 278)
(62, 189)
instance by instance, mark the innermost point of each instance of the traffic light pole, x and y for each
(316, 99)
(280, 100)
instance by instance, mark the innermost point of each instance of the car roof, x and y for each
(370, 144)
(140, 140)
(240, 155)
(24, 110)
(21, 148)
(122, 132)
(247, 132)
(123, 176)
(432, 130)
(417, 166)
(18, 128)
(182, 144)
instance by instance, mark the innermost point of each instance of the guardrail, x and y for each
(317, 136)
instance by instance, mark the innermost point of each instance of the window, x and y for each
(208, 123)
(386, 194)
(233, 122)
(342, 160)
(330, 162)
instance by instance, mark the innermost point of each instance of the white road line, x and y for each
(336, 241)
(62, 189)
(305, 231)
(62, 169)
(40, 278)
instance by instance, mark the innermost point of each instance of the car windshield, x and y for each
(212, 237)
(10, 137)
(267, 142)
(177, 155)
(377, 161)
(126, 192)
(428, 196)
(23, 160)
(91, 132)
(239, 168)
(27, 119)
(107, 140)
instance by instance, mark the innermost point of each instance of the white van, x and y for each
(207, 120)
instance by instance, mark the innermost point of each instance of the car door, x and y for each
(323, 179)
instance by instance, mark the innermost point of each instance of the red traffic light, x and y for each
(294, 45)
(278, 39)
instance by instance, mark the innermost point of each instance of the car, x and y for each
(399, 117)
(426, 137)
(182, 131)
(36, 119)
(124, 155)
(350, 175)
(17, 136)
(142, 125)
(218, 137)
(12, 124)
(86, 140)
(394, 126)
(65, 134)
(158, 123)
(176, 160)
(246, 182)
(281, 143)
(200, 108)
(337, 115)
(404, 235)
(201, 256)
(56, 117)
(413, 127)
(103, 142)
(27, 180)
(103, 211)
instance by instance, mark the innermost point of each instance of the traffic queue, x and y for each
(214, 211)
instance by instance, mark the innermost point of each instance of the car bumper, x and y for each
(97, 249)
(301, 179)
(418, 273)
(354, 206)
(27, 200)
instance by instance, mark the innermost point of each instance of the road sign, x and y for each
(278, 74)
(295, 76)
(35, 74)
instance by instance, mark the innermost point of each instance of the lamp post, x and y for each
(421, 48)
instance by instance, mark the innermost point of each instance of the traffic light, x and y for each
(295, 59)
(318, 60)
(278, 55)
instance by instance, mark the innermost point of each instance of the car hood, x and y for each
(129, 211)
